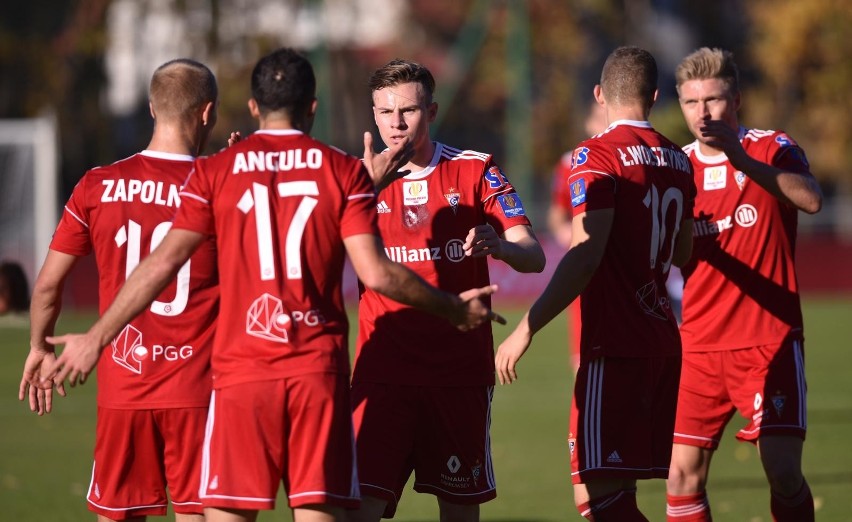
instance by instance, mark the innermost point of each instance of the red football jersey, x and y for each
(122, 211)
(424, 219)
(647, 180)
(740, 285)
(280, 204)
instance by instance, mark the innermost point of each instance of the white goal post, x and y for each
(29, 165)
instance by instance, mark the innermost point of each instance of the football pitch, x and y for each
(45, 462)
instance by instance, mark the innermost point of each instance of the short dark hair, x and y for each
(629, 75)
(400, 71)
(284, 80)
(180, 86)
(18, 287)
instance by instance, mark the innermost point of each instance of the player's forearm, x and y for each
(571, 276)
(141, 288)
(525, 255)
(802, 192)
(45, 305)
(404, 286)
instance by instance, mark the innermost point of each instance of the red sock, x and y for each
(615, 507)
(688, 508)
(798, 508)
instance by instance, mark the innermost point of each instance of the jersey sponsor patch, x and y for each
(715, 177)
(415, 192)
(578, 192)
(784, 140)
(495, 177)
(580, 156)
(511, 205)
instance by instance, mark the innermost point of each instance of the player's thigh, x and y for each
(453, 447)
(244, 451)
(127, 477)
(704, 405)
(770, 389)
(182, 432)
(385, 417)
(622, 417)
(320, 443)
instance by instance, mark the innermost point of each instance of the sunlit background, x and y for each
(514, 80)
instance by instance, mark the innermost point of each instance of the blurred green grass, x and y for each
(45, 462)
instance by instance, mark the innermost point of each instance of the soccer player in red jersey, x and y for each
(421, 389)
(742, 320)
(632, 195)
(284, 209)
(154, 381)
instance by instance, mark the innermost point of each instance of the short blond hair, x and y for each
(181, 86)
(705, 64)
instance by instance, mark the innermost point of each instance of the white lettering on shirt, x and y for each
(148, 191)
(276, 161)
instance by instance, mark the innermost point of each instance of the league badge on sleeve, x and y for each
(580, 156)
(740, 178)
(496, 178)
(511, 205)
(578, 192)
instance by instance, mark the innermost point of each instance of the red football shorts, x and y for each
(141, 453)
(766, 384)
(296, 430)
(622, 418)
(440, 433)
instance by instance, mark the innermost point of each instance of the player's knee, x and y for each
(784, 480)
(685, 480)
(451, 512)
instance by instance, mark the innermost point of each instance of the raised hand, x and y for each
(482, 240)
(472, 312)
(385, 166)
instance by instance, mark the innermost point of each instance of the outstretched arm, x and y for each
(45, 305)
(590, 236)
(380, 274)
(82, 351)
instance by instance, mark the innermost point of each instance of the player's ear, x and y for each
(598, 93)
(432, 111)
(313, 110)
(151, 110)
(254, 110)
(208, 115)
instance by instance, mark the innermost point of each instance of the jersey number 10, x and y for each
(659, 233)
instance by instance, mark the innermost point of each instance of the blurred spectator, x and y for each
(14, 288)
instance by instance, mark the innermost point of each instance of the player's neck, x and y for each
(171, 140)
(422, 157)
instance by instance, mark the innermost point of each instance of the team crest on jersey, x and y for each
(740, 178)
(415, 192)
(580, 156)
(715, 177)
(572, 443)
(578, 192)
(778, 402)
(495, 177)
(511, 205)
(453, 197)
(475, 472)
